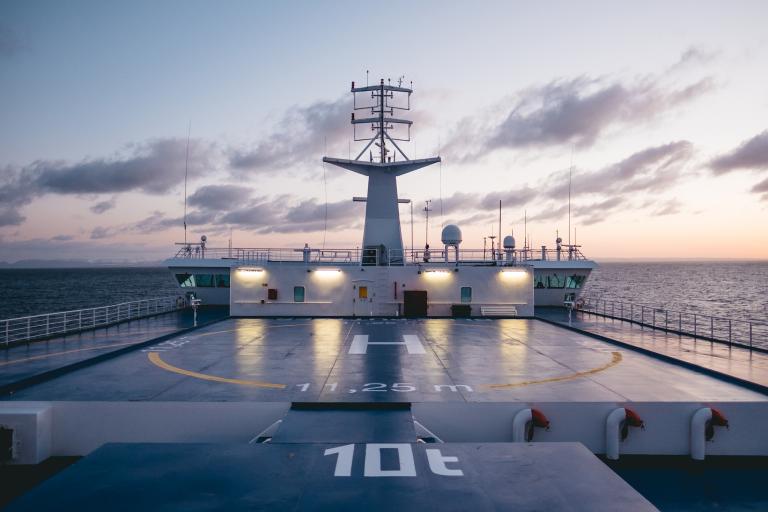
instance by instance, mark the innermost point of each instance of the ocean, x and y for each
(737, 290)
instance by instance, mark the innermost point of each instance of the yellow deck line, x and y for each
(614, 361)
(158, 361)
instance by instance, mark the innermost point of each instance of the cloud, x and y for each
(693, 56)
(575, 112)
(761, 187)
(152, 167)
(670, 207)
(10, 42)
(299, 136)
(219, 197)
(752, 154)
(653, 168)
(103, 206)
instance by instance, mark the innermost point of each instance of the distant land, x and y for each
(75, 263)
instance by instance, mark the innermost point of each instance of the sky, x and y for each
(657, 110)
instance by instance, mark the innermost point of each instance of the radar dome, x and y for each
(509, 242)
(451, 235)
(559, 240)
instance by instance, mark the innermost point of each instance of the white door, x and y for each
(362, 297)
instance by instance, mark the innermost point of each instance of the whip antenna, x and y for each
(186, 173)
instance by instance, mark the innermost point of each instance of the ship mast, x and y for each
(382, 237)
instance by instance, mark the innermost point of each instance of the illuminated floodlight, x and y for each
(437, 272)
(513, 273)
(329, 272)
(250, 270)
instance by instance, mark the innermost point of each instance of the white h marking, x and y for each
(411, 341)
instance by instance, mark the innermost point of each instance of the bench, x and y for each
(498, 310)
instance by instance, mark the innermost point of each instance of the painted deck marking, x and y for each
(360, 344)
(158, 361)
(614, 361)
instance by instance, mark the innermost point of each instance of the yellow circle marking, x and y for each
(158, 361)
(614, 361)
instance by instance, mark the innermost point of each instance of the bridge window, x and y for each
(556, 281)
(539, 281)
(466, 294)
(186, 280)
(222, 280)
(298, 294)
(574, 281)
(204, 280)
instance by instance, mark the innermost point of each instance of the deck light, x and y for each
(327, 272)
(513, 273)
(437, 272)
(250, 270)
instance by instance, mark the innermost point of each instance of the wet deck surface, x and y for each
(498, 476)
(730, 360)
(25, 361)
(337, 360)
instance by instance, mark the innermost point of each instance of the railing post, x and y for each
(666, 319)
(750, 336)
(80, 320)
(694, 326)
(711, 328)
(680, 322)
(29, 327)
(48, 323)
(729, 332)
(642, 315)
(654, 318)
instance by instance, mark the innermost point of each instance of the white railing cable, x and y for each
(28, 328)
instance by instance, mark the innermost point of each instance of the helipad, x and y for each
(349, 360)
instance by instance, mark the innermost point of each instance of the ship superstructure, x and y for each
(382, 277)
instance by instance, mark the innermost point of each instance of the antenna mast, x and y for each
(427, 209)
(186, 173)
(570, 174)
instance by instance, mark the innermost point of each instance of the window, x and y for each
(222, 280)
(204, 280)
(466, 294)
(362, 292)
(186, 280)
(556, 281)
(574, 281)
(539, 281)
(298, 294)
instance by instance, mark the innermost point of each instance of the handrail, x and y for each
(749, 334)
(28, 328)
(366, 256)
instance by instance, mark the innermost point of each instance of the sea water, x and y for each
(737, 290)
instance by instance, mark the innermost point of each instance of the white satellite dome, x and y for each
(451, 235)
(509, 242)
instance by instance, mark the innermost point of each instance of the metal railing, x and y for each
(29, 328)
(373, 255)
(733, 332)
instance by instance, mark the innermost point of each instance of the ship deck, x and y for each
(354, 360)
